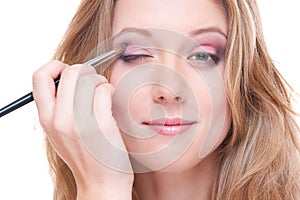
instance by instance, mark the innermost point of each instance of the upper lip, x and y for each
(169, 122)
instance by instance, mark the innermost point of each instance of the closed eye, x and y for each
(134, 58)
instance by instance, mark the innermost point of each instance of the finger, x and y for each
(66, 90)
(44, 88)
(103, 113)
(85, 122)
(104, 144)
(84, 95)
(103, 103)
(116, 155)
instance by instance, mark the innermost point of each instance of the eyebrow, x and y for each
(192, 33)
(207, 30)
(136, 30)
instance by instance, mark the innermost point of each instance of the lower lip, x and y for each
(171, 130)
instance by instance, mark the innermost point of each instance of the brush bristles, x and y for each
(120, 49)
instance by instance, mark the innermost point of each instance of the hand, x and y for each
(79, 124)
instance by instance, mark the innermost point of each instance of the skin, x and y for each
(56, 110)
(56, 116)
(193, 174)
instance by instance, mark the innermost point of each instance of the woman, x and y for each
(254, 154)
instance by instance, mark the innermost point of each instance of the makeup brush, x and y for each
(95, 62)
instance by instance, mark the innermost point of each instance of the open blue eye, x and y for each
(204, 57)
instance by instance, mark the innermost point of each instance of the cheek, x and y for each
(136, 100)
(219, 113)
(116, 73)
(139, 104)
(213, 110)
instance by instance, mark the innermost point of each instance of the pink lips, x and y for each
(169, 126)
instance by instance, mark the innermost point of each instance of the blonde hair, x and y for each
(259, 159)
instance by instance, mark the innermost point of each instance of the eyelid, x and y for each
(205, 49)
(136, 50)
(197, 53)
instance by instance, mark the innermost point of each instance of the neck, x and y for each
(193, 183)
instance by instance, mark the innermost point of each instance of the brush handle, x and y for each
(21, 102)
(93, 62)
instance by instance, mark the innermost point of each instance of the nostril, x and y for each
(161, 98)
(178, 99)
(165, 95)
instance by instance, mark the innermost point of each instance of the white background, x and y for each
(29, 33)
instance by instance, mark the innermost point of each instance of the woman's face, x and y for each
(169, 97)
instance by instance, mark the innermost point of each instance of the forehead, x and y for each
(178, 15)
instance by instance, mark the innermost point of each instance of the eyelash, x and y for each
(134, 57)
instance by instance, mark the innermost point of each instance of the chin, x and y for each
(180, 166)
(143, 164)
(192, 163)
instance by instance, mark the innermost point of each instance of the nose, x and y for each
(164, 95)
(170, 87)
